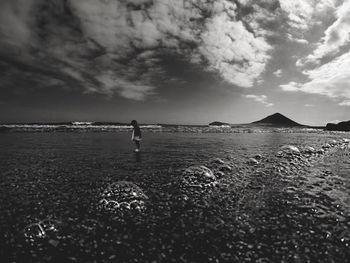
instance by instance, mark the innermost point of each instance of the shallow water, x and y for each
(299, 213)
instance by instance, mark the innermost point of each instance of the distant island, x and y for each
(274, 120)
(341, 126)
(278, 119)
(218, 123)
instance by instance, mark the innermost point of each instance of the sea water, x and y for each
(279, 208)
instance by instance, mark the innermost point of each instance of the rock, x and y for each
(326, 146)
(50, 225)
(320, 151)
(253, 161)
(333, 142)
(41, 230)
(345, 140)
(280, 153)
(33, 232)
(290, 149)
(89, 224)
(53, 242)
(257, 156)
(225, 168)
(201, 170)
(309, 149)
(122, 195)
(341, 126)
(218, 161)
(198, 176)
(219, 174)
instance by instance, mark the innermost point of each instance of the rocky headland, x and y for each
(341, 126)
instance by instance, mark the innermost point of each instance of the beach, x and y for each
(272, 196)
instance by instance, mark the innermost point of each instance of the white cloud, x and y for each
(233, 51)
(336, 36)
(345, 103)
(278, 73)
(259, 98)
(301, 41)
(303, 14)
(299, 11)
(297, 40)
(291, 86)
(331, 79)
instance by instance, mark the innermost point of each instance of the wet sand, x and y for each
(257, 202)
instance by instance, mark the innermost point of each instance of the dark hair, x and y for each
(133, 123)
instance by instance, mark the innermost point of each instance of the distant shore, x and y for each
(101, 127)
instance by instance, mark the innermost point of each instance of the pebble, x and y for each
(290, 149)
(326, 146)
(333, 142)
(224, 168)
(218, 161)
(253, 161)
(257, 156)
(219, 174)
(309, 149)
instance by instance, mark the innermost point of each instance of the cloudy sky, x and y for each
(174, 61)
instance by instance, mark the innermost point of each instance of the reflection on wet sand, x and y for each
(227, 198)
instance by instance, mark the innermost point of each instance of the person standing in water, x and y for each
(136, 135)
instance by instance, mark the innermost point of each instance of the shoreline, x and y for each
(159, 128)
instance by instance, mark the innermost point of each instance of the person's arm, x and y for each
(133, 134)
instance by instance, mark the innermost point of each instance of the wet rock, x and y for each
(198, 176)
(33, 232)
(326, 146)
(253, 161)
(201, 171)
(218, 161)
(257, 156)
(320, 151)
(53, 242)
(309, 150)
(41, 230)
(333, 142)
(219, 174)
(89, 224)
(279, 153)
(122, 195)
(290, 149)
(225, 168)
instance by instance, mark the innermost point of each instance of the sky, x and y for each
(174, 61)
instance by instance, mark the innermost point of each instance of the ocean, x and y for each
(264, 203)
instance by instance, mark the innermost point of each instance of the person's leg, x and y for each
(137, 143)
